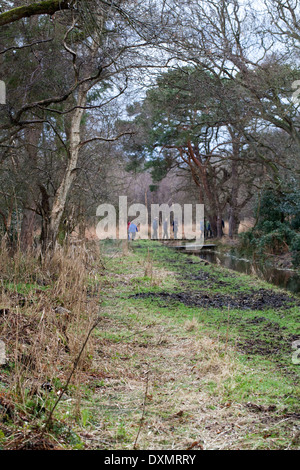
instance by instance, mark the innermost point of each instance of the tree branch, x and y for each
(15, 48)
(104, 139)
(48, 7)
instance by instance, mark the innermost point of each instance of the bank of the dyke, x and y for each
(186, 355)
(192, 356)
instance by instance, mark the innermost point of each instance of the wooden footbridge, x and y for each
(188, 246)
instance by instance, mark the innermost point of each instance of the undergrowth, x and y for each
(48, 304)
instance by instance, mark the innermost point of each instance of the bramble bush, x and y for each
(278, 223)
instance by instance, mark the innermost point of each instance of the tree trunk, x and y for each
(27, 229)
(234, 223)
(45, 213)
(219, 227)
(32, 137)
(201, 179)
(233, 203)
(62, 192)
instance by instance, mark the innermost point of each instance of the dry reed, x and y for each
(48, 304)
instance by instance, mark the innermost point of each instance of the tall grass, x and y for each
(48, 304)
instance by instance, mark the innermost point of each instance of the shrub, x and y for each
(295, 249)
(278, 219)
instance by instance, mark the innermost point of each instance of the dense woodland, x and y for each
(162, 101)
(107, 99)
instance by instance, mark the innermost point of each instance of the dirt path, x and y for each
(194, 381)
(179, 413)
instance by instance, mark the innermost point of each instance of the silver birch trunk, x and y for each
(61, 195)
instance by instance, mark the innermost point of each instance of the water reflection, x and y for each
(281, 278)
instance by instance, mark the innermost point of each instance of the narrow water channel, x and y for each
(285, 279)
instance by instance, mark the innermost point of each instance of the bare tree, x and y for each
(99, 42)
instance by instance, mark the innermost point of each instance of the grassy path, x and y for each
(190, 356)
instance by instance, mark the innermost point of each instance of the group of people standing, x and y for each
(204, 227)
(155, 227)
(133, 229)
(208, 233)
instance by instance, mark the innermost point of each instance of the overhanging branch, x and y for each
(106, 139)
(48, 7)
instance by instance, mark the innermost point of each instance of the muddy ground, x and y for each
(204, 287)
(254, 300)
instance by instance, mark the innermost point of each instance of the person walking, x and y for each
(132, 231)
(128, 225)
(202, 229)
(155, 228)
(209, 231)
(175, 228)
(166, 226)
